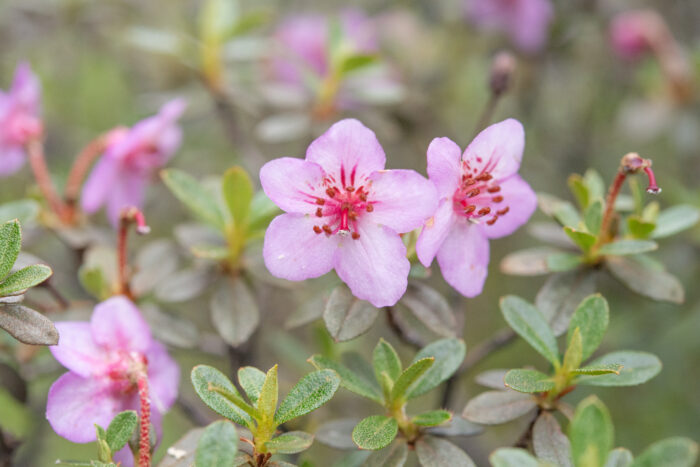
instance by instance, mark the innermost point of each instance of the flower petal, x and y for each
(498, 149)
(521, 202)
(347, 151)
(77, 351)
(99, 184)
(292, 183)
(435, 232)
(128, 190)
(528, 24)
(75, 404)
(464, 258)
(444, 157)
(163, 377)
(117, 324)
(11, 159)
(293, 251)
(374, 266)
(402, 199)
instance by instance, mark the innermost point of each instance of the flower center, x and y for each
(341, 207)
(125, 370)
(478, 198)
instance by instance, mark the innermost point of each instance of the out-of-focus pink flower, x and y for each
(481, 197)
(526, 22)
(302, 44)
(19, 118)
(630, 33)
(131, 157)
(106, 357)
(344, 212)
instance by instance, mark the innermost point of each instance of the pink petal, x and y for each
(12, 159)
(99, 184)
(347, 151)
(75, 404)
(293, 251)
(464, 258)
(498, 149)
(292, 183)
(117, 324)
(528, 24)
(129, 189)
(435, 232)
(76, 349)
(26, 89)
(374, 266)
(444, 158)
(521, 202)
(163, 377)
(301, 42)
(404, 199)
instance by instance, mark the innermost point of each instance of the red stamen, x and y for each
(355, 235)
(492, 220)
(369, 208)
(484, 177)
(319, 212)
(469, 181)
(503, 211)
(327, 229)
(470, 209)
(484, 211)
(344, 219)
(352, 215)
(493, 189)
(653, 188)
(473, 193)
(497, 199)
(363, 196)
(330, 192)
(320, 201)
(350, 188)
(317, 229)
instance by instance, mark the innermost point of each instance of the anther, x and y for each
(369, 208)
(363, 196)
(355, 235)
(317, 229)
(503, 211)
(473, 193)
(484, 177)
(494, 189)
(352, 215)
(492, 220)
(327, 229)
(484, 211)
(469, 181)
(350, 188)
(330, 192)
(319, 212)
(469, 209)
(320, 201)
(497, 199)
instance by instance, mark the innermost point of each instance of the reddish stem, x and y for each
(145, 422)
(37, 161)
(610, 202)
(126, 218)
(81, 165)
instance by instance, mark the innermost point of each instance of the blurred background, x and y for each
(107, 63)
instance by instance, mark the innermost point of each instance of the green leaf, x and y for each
(448, 354)
(234, 311)
(528, 381)
(669, 452)
(457, 426)
(218, 445)
(205, 379)
(528, 262)
(24, 210)
(595, 184)
(238, 194)
(495, 407)
(15, 418)
(93, 281)
(593, 217)
(647, 281)
(579, 190)
(25, 278)
(566, 214)
(591, 318)
(27, 326)
(432, 418)
(561, 262)
(581, 238)
(267, 402)
(349, 379)
(619, 457)
(394, 456)
(290, 442)
(386, 360)
(549, 443)
(591, 433)
(627, 247)
(438, 452)
(561, 295)
(262, 211)
(512, 457)
(251, 380)
(574, 352)
(529, 323)
(347, 317)
(120, 429)
(675, 219)
(409, 376)
(639, 228)
(612, 368)
(310, 393)
(10, 244)
(193, 195)
(375, 432)
(637, 368)
(356, 62)
(216, 18)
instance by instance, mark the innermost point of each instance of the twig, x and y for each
(128, 216)
(62, 301)
(37, 162)
(81, 165)
(526, 437)
(391, 321)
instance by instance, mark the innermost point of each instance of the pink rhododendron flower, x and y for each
(630, 33)
(526, 22)
(131, 157)
(106, 357)
(344, 212)
(19, 118)
(481, 197)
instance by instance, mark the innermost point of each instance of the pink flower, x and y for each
(630, 33)
(302, 43)
(526, 22)
(19, 118)
(481, 197)
(106, 357)
(131, 157)
(344, 212)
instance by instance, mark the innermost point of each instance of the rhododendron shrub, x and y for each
(364, 253)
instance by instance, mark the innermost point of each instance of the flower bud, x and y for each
(502, 69)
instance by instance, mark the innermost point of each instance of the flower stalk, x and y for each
(145, 421)
(130, 215)
(78, 171)
(37, 162)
